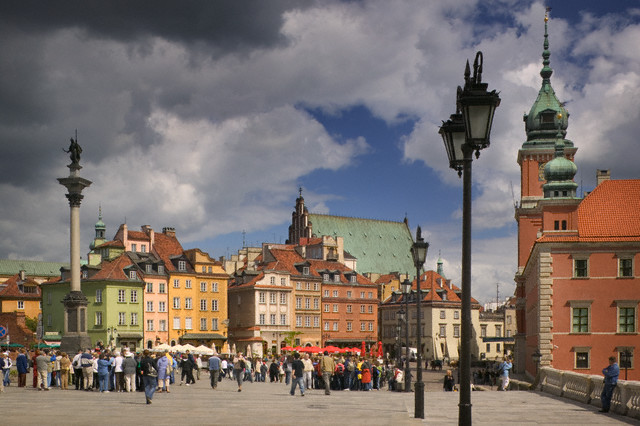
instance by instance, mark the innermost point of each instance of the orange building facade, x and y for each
(577, 284)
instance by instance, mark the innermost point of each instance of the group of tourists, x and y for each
(322, 371)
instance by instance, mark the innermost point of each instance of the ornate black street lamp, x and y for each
(419, 254)
(400, 315)
(406, 292)
(466, 131)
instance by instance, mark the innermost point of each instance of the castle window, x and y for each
(580, 268)
(625, 266)
(582, 357)
(580, 316)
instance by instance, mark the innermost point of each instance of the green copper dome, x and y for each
(559, 172)
(547, 112)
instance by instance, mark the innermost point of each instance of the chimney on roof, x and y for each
(169, 232)
(147, 229)
(23, 274)
(602, 175)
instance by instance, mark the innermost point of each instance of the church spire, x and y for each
(100, 229)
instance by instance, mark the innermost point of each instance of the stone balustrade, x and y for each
(587, 388)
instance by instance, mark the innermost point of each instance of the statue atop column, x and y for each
(74, 152)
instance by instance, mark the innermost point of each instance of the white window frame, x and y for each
(582, 349)
(580, 304)
(579, 258)
(624, 258)
(627, 304)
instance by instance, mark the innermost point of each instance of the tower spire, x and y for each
(547, 111)
(546, 71)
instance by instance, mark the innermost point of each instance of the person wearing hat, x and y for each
(129, 366)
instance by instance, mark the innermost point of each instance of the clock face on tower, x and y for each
(541, 171)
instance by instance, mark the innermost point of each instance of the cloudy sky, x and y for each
(207, 116)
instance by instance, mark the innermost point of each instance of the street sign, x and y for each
(3, 332)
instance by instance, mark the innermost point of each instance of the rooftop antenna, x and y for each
(497, 295)
(244, 234)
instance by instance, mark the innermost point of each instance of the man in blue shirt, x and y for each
(214, 369)
(611, 374)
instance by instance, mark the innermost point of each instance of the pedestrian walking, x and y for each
(327, 366)
(297, 371)
(149, 372)
(214, 370)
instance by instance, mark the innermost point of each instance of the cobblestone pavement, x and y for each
(271, 404)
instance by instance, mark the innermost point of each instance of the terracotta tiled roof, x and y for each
(167, 247)
(286, 258)
(612, 209)
(10, 288)
(137, 235)
(610, 213)
(114, 269)
(113, 243)
(387, 278)
(429, 281)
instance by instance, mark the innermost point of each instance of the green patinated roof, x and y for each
(547, 112)
(379, 246)
(31, 267)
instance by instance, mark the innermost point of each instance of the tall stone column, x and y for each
(75, 334)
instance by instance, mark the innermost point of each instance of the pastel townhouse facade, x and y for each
(260, 310)
(156, 298)
(440, 320)
(211, 297)
(577, 281)
(114, 291)
(294, 295)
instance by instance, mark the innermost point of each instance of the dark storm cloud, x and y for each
(229, 24)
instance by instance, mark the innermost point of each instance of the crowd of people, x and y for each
(123, 370)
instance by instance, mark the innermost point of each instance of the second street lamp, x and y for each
(466, 131)
(406, 292)
(419, 254)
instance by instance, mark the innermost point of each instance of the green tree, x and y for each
(32, 323)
